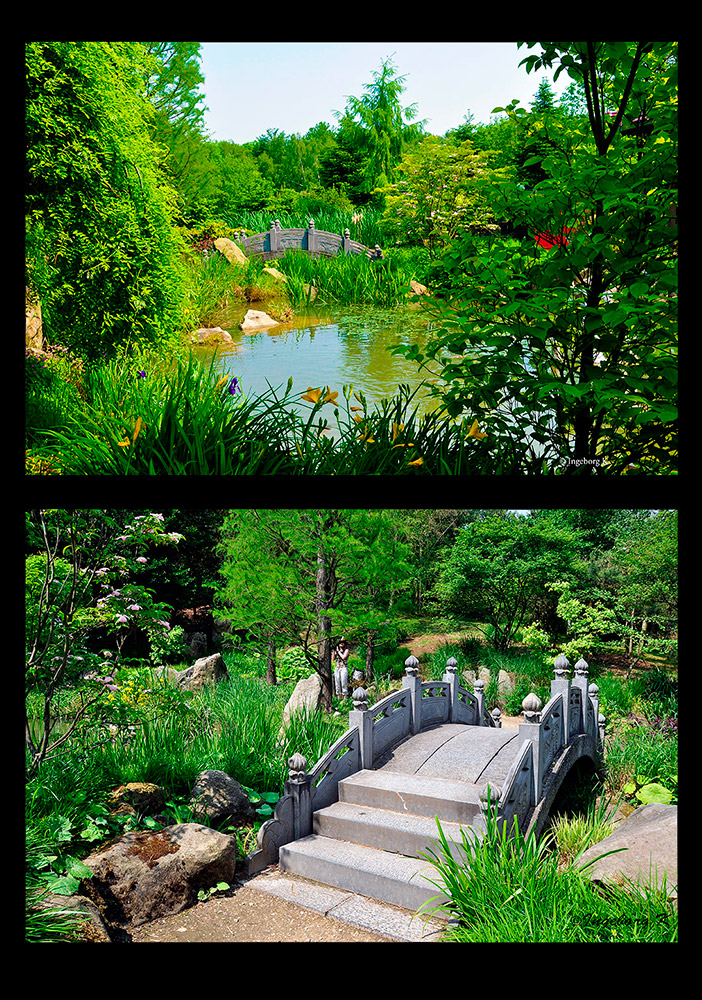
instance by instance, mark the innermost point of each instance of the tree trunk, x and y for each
(270, 664)
(369, 658)
(323, 592)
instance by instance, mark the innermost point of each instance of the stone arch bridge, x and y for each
(274, 243)
(360, 817)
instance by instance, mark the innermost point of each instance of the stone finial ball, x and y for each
(531, 704)
(561, 663)
(297, 762)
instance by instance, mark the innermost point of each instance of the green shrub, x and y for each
(102, 254)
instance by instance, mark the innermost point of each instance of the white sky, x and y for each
(253, 86)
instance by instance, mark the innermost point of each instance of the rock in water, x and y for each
(257, 320)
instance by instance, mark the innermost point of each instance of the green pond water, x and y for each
(326, 347)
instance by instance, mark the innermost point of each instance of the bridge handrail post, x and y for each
(530, 729)
(561, 685)
(274, 234)
(298, 787)
(361, 717)
(451, 678)
(580, 680)
(593, 692)
(413, 681)
(311, 237)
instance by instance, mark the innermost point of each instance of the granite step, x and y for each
(368, 871)
(450, 800)
(397, 832)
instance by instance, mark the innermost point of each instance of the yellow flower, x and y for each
(417, 461)
(354, 408)
(125, 444)
(137, 429)
(396, 429)
(312, 395)
(221, 383)
(475, 433)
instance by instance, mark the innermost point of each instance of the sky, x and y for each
(251, 87)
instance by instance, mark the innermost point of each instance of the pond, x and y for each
(326, 347)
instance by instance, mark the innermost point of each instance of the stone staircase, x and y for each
(368, 841)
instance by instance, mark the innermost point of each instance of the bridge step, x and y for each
(453, 801)
(399, 833)
(369, 840)
(368, 871)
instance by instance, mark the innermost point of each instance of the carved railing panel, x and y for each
(518, 790)
(340, 761)
(391, 721)
(574, 712)
(435, 702)
(466, 707)
(551, 732)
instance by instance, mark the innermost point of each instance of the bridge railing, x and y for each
(372, 731)
(571, 713)
(275, 241)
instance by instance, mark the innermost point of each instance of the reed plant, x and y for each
(351, 279)
(508, 887)
(184, 418)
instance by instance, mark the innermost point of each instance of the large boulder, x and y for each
(148, 874)
(256, 320)
(307, 697)
(217, 797)
(233, 253)
(650, 838)
(505, 680)
(211, 335)
(138, 797)
(206, 670)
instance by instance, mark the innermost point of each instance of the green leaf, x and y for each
(78, 870)
(65, 886)
(654, 792)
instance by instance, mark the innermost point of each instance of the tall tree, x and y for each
(380, 126)
(102, 253)
(497, 572)
(314, 568)
(568, 353)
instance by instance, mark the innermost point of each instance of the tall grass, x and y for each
(350, 279)
(185, 419)
(510, 889)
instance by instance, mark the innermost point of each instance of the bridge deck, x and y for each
(474, 754)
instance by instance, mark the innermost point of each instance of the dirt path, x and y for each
(248, 915)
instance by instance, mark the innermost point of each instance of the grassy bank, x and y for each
(141, 414)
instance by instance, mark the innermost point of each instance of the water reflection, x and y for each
(326, 347)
